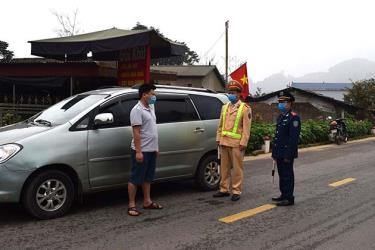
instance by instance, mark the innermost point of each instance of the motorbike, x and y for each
(337, 130)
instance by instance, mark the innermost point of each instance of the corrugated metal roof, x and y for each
(313, 86)
(32, 60)
(291, 89)
(187, 70)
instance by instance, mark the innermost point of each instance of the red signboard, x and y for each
(134, 66)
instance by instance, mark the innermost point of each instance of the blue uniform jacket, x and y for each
(285, 142)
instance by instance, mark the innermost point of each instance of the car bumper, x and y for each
(11, 183)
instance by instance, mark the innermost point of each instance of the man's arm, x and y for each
(246, 126)
(220, 126)
(136, 123)
(137, 143)
(137, 138)
(294, 131)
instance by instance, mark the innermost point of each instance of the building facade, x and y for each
(197, 76)
(308, 105)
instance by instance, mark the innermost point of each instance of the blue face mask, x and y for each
(232, 98)
(281, 107)
(152, 100)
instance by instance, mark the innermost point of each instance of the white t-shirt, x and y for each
(145, 117)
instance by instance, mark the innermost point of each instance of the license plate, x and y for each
(333, 131)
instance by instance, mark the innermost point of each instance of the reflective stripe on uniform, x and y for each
(233, 134)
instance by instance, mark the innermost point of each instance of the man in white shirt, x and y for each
(144, 148)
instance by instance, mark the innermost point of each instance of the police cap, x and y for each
(285, 96)
(235, 86)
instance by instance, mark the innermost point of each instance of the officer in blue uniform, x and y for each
(285, 147)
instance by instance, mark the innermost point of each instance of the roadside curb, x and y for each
(307, 149)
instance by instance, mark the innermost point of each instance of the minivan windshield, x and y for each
(67, 109)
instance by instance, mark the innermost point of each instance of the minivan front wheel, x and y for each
(48, 195)
(208, 174)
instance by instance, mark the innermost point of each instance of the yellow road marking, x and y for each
(342, 182)
(247, 213)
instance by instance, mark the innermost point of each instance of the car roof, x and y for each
(115, 91)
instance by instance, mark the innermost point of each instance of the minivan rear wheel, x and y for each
(48, 195)
(208, 174)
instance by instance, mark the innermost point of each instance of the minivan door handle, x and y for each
(199, 130)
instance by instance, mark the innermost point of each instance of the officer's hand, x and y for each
(286, 160)
(218, 143)
(242, 148)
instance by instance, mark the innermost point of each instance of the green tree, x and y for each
(5, 54)
(190, 57)
(362, 95)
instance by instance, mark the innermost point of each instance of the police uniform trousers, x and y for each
(231, 168)
(286, 178)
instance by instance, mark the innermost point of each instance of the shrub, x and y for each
(10, 118)
(311, 132)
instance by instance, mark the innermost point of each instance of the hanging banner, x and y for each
(134, 66)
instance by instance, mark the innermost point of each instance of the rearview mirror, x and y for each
(103, 119)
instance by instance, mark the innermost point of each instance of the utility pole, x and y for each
(226, 50)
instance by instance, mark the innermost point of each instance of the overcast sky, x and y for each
(294, 36)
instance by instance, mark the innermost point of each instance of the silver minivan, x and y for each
(82, 145)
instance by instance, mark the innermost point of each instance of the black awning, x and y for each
(105, 45)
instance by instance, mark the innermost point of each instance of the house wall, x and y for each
(210, 81)
(307, 106)
(269, 113)
(183, 82)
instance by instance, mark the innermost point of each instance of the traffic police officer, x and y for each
(232, 137)
(285, 147)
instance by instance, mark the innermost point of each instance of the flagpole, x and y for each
(226, 50)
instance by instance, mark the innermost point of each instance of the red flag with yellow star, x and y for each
(240, 75)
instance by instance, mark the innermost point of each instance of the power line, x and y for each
(213, 45)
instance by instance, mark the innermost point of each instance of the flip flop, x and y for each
(153, 205)
(133, 209)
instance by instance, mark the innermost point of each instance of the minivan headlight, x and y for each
(7, 151)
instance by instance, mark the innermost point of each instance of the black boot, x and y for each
(278, 198)
(221, 194)
(285, 203)
(235, 197)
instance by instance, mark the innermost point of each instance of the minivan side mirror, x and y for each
(103, 119)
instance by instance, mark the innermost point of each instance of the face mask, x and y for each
(281, 107)
(152, 100)
(232, 98)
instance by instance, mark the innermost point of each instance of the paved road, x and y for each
(324, 217)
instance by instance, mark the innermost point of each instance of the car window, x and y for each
(117, 112)
(84, 124)
(127, 106)
(174, 110)
(68, 108)
(120, 111)
(209, 108)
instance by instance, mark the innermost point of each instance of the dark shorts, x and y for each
(145, 171)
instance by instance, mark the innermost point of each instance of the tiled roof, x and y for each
(313, 86)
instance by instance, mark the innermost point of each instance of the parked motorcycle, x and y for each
(337, 130)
